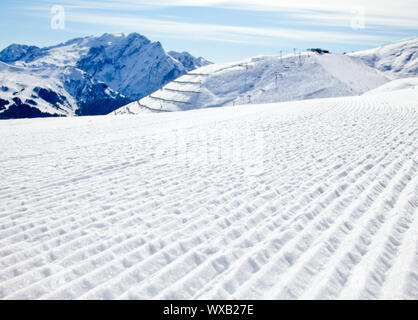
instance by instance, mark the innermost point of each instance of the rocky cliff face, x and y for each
(188, 61)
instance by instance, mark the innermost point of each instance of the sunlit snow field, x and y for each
(309, 199)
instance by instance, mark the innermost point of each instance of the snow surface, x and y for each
(398, 60)
(262, 79)
(397, 85)
(306, 199)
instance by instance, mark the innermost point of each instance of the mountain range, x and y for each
(86, 76)
(118, 74)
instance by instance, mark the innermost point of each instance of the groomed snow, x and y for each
(403, 86)
(308, 199)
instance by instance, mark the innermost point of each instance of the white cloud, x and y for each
(402, 13)
(223, 33)
(326, 14)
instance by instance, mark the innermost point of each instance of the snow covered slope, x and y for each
(134, 65)
(58, 91)
(306, 199)
(19, 92)
(396, 85)
(261, 80)
(399, 60)
(91, 75)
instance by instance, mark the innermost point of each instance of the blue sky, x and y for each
(219, 30)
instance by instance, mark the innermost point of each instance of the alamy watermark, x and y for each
(58, 17)
(358, 19)
(237, 149)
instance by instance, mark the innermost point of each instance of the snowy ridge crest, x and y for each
(263, 79)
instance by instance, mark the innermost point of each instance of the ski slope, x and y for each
(314, 199)
(262, 79)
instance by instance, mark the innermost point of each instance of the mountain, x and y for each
(135, 66)
(57, 91)
(85, 76)
(397, 60)
(16, 52)
(263, 79)
(188, 61)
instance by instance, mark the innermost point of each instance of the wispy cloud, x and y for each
(401, 13)
(302, 11)
(218, 32)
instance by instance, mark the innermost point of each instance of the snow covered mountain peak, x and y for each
(133, 65)
(188, 61)
(96, 74)
(16, 52)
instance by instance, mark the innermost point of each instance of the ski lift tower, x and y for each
(246, 75)
(276, 74)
